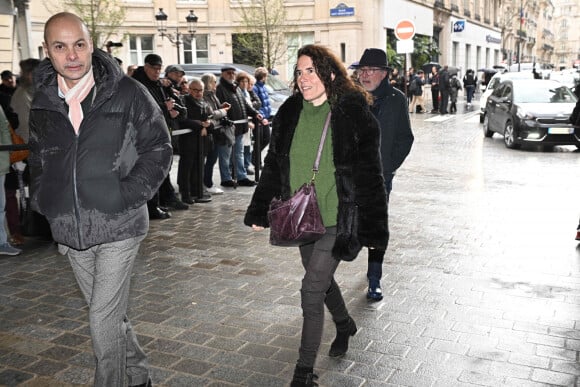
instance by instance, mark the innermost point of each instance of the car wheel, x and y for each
(486, 132)
(509, 136)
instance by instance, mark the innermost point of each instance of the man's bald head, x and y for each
(54, 19)
(68, 45)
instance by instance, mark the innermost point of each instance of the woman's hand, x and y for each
(257, 228)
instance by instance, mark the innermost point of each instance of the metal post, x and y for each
(520, 35)
(177, 43)
(257, 150)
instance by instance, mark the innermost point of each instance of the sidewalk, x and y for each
(473, 294)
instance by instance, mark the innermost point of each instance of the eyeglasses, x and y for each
(156, 67)
(369, 71)
(196, 90)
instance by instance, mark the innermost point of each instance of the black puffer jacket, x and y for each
(362, 204)
(92, 187)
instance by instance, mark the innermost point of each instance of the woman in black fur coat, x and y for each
(350, 189)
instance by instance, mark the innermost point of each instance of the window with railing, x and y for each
(196, 50)
(139, 47)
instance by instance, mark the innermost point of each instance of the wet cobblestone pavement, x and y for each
(482, 284)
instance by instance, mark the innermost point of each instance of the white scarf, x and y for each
(75, 96)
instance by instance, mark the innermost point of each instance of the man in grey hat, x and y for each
(175, 74)
(390, 109)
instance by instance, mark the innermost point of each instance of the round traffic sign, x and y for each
(405, 30)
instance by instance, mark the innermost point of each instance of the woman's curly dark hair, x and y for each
(326, 63)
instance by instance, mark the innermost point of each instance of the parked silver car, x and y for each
(277, 89)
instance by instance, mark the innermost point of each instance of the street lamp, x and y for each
(161, 18)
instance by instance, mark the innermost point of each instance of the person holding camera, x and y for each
(189, 172)
(229, 91)
(169, 103)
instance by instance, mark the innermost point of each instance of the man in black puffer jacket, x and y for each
(100, 149)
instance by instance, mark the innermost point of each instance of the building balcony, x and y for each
(547, 47)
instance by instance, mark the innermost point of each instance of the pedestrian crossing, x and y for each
(469, 117)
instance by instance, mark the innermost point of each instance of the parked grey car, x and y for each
(277, 89)
(531, 111)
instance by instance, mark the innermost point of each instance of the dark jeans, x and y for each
(435, 97)
(189, 170)
(318, 289)
(376, 257)
(210, 161)
(444, 101)
(470, 91)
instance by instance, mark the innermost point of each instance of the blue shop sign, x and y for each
(459, 26)
(342, 10)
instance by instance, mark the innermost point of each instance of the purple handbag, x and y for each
(297, 221)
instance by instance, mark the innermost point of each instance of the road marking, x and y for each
(440, 118)
(473, 119)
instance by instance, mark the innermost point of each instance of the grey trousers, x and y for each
(318, 289)
(103, 273)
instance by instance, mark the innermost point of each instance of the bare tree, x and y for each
(102, 17)
(267, 18)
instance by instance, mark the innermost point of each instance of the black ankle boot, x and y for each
(344, 331)
(304, 377)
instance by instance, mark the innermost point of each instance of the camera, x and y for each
(114, 44)
(226, 122)
(181, 109)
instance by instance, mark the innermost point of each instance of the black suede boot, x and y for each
(304, 377)
(344, 330)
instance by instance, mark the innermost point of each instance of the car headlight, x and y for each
(524, 115)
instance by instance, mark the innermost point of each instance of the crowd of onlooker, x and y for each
(444, 87)
(212, 121)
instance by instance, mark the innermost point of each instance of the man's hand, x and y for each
(173, 113)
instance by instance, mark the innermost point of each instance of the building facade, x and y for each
(469, 33)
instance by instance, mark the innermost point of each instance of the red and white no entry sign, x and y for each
(405, 30)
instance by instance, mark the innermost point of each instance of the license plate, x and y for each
(560, 130)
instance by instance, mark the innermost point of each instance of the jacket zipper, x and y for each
(75, 191)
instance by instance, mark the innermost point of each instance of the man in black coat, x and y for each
(390, 109)
(99, 149)
(228, 91)
(172, 110)
(444, 88)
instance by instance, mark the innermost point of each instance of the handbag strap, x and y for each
(320, 146)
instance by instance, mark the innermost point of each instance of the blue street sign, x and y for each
(342, 10)
(459, 26)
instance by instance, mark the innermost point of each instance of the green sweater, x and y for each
(303, 153)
